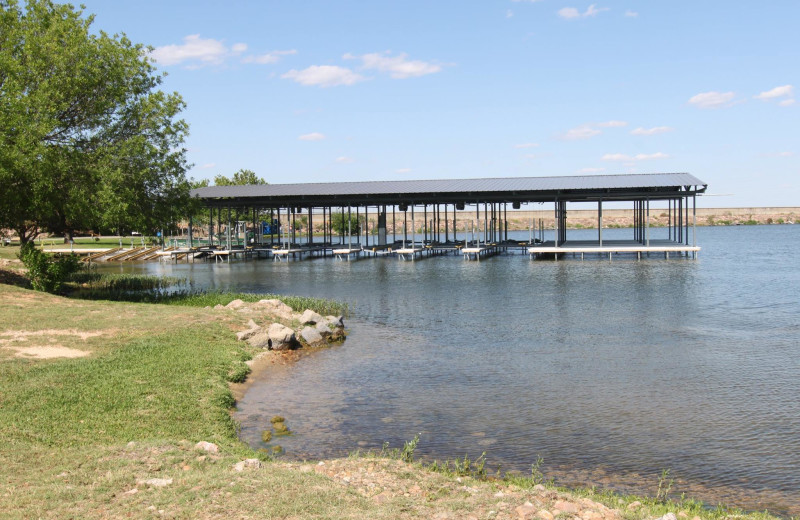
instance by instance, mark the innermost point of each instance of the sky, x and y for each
(327, 91)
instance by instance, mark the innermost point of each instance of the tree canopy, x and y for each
(240, 178)
(87, 141)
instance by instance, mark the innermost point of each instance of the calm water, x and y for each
(609, 371)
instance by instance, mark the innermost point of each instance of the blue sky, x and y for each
(319, 91)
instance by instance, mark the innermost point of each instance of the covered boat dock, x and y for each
(459, 215)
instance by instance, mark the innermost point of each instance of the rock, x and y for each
(540, 488)
(311, 336)
(244, 335)
(565, 507)
(281, 337)
(526, 511)
(235, 304)
(310, 317)
(275, 307)
(252, 325)
(336, 321)
(544, 514)
(259, 340)
(633, 506)
(156, 482)
(207, 446)
(669, 516)
(218, 306)
(247, 463)
(323, 329)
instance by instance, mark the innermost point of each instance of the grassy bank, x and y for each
(82, 436)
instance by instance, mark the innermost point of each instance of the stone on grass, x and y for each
(247, 463)
(526, 510)
(310, 317)
(311, 336)
(566, 507)
(235, 304)
(260, 340)
(218, 306)
(669, 516)
(275, 307)
(281, 337)
(207, 446)
(244, 335)
(544, 514)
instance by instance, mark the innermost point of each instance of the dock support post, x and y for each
(600, 222)
(228, 234)
(190, 232)
(647, 202)
(694, 224)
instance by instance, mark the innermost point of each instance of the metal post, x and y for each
(190, 232)
(425, 224)
(647, 202)
(694, 222)
(413, 229)
(600, 222)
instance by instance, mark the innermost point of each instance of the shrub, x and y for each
(47, 273)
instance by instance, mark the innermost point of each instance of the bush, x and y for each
(47, 273)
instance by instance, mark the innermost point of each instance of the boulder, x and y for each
(235, 304)
(281, 337)
(323, 329)
(218, 306)
(526, 510)
(244, 335)
(259, 340)
(275, 307)
(336, 321)
(207, 446)
(311, 336)
(155, 482)
(310, 317)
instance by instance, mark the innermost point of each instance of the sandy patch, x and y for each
(21, 335)
(49, 352)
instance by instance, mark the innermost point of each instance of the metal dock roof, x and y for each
(502, 189)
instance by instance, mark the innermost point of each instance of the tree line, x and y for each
(88, 140)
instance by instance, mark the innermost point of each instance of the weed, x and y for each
(407, 455)
(664, 486)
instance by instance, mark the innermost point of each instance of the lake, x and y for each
(611, 372)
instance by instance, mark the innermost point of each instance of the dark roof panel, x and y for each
(452, 186)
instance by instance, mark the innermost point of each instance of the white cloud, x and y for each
(527, 145)
(207, 51)
(509, 13)
(267, 58)
(239, 48)
(712, 99)
(313, 136)
(344, 160)
(787, 102)
(631, 14)
(612, 124)
(777, 92)
(637, 157)
(207, 166)
(403, 170)
(581, 132)
(324, 76)
(571, 13)
(652, 131)
(398, 67)
(591, 170)
(591, 129)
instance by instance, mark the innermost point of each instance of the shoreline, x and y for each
(570, 479)
(145, 333)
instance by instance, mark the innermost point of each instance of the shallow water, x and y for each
(609, 371)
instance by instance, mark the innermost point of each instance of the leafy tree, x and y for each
(241, 178)
(86, 139)
(339, 223)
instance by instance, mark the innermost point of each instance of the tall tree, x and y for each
(86, 138)
(241, 178)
